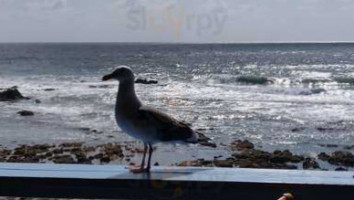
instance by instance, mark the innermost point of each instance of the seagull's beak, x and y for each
(107, 77)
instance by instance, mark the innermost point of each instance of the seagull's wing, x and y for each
(167, 128)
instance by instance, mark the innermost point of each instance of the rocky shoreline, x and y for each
(243, 155)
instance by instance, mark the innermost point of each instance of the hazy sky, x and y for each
(176, 20)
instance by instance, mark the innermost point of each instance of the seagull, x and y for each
(143, 122)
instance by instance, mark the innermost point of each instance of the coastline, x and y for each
(243, 154)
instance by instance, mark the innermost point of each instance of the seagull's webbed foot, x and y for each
(139, 169)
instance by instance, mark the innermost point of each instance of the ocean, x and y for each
(279, 96)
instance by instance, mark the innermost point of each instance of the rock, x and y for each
(341, 169)
(49, 89)
(208, 144)
(105, 159)
(348, 147)
(98, 156)
(37, 101)
(313, 91)
(344, 158)
(11, 94)
(82, 158)
(323, 156)
(223, 163)
(113, 150)
(310, 163)
(58, 151)
(297, 129)
(253, 154)
(145, 81)
(329, 145)
(194, 163)
(156, 164)
(204, 140)
(254, 80)
(285, 156)
(4, 153)
(63, 159)
(255, 158)
(25, 113)
(23, 159)
(322, 129)
(71, 145)
(240, 145)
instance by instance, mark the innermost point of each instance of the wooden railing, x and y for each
(116, 182)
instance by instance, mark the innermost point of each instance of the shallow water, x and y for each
(214, 87)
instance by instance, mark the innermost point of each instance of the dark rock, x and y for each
(329, 145)
(310, 163)
(341, 169)
(322, 129)
(194, 163)
(285, 156)
(240, 145)
(25, 113)
(23, 159)
(348, 147)
(253, 154)
(98, 156)
(208, 144)
(82, 158)
(37, 101)
(113, 150)
(71, 145)
(63, 159)
(4, 153)
(254, 158)
(49, 154)
(297, 129)
(223, 163)
(344, 158)
(105, 159)
(58, 151)
(323, 156)
(145, 81)
(11, 94)
(204, 140)
(49, 89)
(156, 164)
(254, 80)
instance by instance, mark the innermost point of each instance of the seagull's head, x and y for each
(122, 73)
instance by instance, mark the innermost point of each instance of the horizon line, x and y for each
(246, 42)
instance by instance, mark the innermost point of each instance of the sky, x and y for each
(185, 21)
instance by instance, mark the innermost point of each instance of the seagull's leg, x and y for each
(139, 169)
(149, 159)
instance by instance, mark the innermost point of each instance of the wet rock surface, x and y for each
(310, 163)
(341, 158)
(142, 80)
(241, 145)
(25, 113)
(244, 155)
(11, 94)
(204, 140)
(63, 153)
